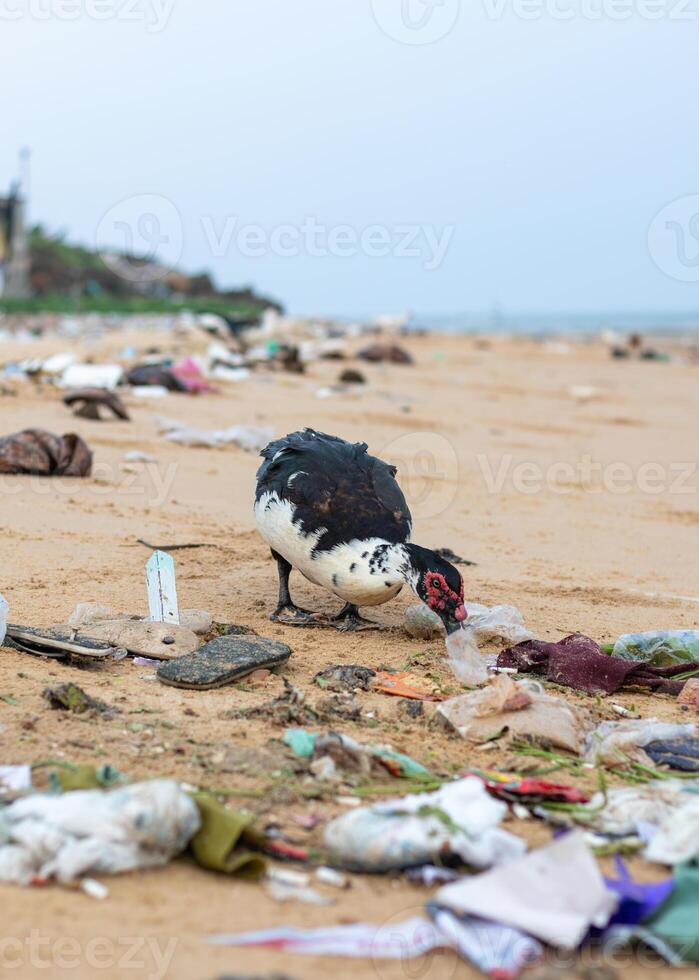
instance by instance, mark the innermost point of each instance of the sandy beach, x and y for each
(569, 478)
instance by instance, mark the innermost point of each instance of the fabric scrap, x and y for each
(578, 662)
(637, 901)
(215, 844)
(676, 922)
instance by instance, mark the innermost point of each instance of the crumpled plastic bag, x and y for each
(461, 819)
(95, 831)
(487, 623)
(615, 742)
(677, 837)
(626, 810)
(519, 708)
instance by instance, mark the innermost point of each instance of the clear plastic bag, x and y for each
(660, 648)
(483, 625)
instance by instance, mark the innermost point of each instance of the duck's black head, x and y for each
(438, 584)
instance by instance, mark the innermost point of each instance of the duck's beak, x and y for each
(454, 621)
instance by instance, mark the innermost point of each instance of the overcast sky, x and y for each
(364, 156)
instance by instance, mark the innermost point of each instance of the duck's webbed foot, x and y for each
(292, 615)
(348, 620)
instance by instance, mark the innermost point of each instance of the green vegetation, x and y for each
(105, 303)
(69, 278)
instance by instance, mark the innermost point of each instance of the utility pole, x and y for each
(14, 211)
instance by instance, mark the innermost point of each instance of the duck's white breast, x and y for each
(344, 570)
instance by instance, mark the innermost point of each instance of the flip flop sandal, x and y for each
(223, 661)
(56, 643)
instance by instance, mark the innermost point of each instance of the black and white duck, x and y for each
(337, 515)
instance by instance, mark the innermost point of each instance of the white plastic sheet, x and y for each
(554, 893)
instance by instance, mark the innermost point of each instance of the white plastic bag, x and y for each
(615, 742)
(460, 818)
(95, 831)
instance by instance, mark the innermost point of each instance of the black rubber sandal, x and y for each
(223, 661)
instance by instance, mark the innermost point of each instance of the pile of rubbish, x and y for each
(498, 905)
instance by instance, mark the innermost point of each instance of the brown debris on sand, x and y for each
(86, 403)
(71, 698)
(41, 453)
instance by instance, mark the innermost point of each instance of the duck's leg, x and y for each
(287, 612)
(348, 620)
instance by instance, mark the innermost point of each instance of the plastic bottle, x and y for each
(661, 648)
(3, 618)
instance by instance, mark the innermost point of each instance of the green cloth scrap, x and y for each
(214, 846)
(677, 920)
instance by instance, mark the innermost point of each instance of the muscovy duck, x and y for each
(335, 513)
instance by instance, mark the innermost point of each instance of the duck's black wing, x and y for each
(336, 487)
